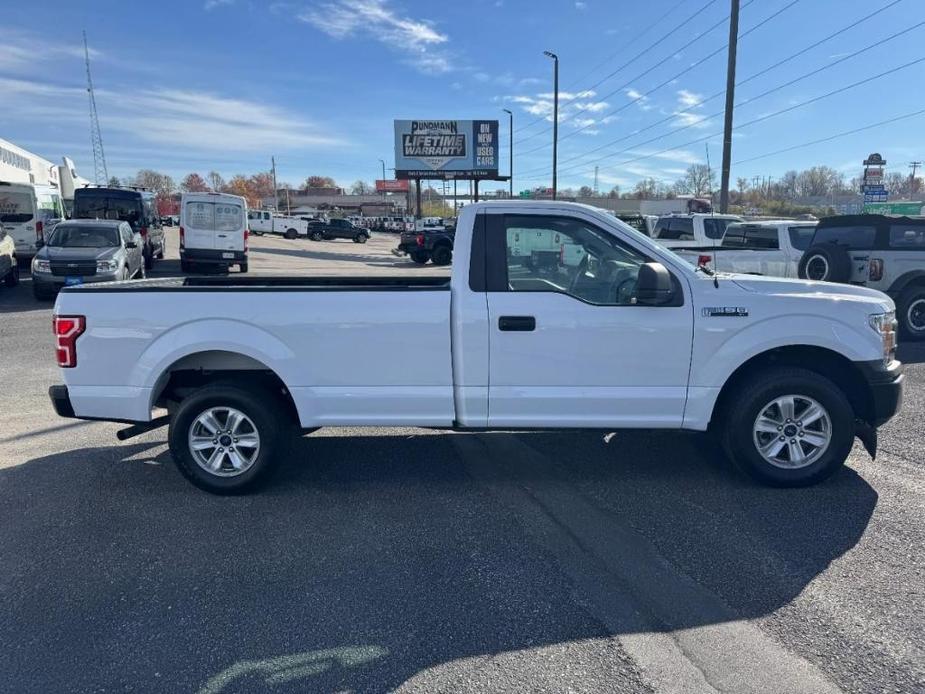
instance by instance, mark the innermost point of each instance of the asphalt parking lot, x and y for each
(415, 560)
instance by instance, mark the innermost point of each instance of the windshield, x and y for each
(124, 209)
(16, 208)
(72, 236)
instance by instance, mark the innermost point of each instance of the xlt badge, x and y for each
(724, 311)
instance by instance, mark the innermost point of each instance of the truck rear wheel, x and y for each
(910, 310)
(225, 440)
(788, 427)
(442, 255)
(291, 233)
(420, 257)
(12, 277)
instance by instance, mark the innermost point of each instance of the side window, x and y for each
(569, 256)
(678, 229)
(801, 237)
(761, 237)
(714, 228)
(661, 229)
(734, 236)
(859, 238)
(906, 236)
(266, 216)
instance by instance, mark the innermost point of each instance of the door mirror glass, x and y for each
(653, 285)
(131, 244)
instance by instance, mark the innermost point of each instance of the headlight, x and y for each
(41, 265)
(885, 325)
(107, 265)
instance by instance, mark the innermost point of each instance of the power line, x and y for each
(751, 122)
(834, 137)
(633, 79)
(629, 62)
(671, 79)
(750, 100)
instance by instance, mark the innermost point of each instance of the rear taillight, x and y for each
(246, 234)
(182, 238)
(39, 231)
(703, 260)
(420, 240)
(67, 330)
(875, 270)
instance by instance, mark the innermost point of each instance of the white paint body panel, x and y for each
(435, 357)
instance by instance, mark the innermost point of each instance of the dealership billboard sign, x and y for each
(446, 149)
(389, 186)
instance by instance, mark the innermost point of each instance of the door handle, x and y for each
(517, 323)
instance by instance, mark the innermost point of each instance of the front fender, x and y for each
(717, 356)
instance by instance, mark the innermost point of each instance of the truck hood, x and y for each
(777, 286)
(60, 254)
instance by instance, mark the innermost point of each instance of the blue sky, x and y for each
(224, 84)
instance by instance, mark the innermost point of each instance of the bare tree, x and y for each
(699, 180)
(216, 181)
(360, 187)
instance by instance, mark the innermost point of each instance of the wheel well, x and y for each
(832, 365)
(194, 371)
(915, 278)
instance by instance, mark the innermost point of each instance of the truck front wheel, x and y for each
(224, 439)
(788, 427)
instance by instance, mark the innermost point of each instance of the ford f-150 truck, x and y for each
(625, 335)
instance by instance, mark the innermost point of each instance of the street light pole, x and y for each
(382, 161)
(510, 115)
(555, 117)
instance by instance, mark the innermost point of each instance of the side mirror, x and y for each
(131, 244)
(653, 285)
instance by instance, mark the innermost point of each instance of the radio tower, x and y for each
(100, 174)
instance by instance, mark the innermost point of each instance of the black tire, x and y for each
(739, 416)
(442, 255)
(360, 238)
(242, 267)
(255, 403)
(420, 257)
(291, 233)
(149, 258)
(317, 236)
(142, 274)
(827, 262)
(910, 311)
(12, 277)
(186, 266)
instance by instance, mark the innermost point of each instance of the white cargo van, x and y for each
(213, 231)
(28, 212)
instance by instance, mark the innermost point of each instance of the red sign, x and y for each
(391, 186)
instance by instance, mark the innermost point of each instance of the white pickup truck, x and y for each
(772, 247)
(698, 229)
(786, 372)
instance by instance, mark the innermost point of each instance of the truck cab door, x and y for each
(568, 343)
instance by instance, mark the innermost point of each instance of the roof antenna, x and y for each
(706, 146)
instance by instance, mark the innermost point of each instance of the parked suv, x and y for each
(879, 251)
(81, 251)
(337, 229)
(136, 206)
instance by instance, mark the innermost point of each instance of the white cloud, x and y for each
(173, 118)
(689, 99)
(579, 5)
(24, 53)
(375, 19)
(642, 101)
(212, 4)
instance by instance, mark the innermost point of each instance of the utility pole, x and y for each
(730, 103)
(510, 115)
(100, 173)
(914, 165)
(595, 181)
(275, 188)
(555, 117)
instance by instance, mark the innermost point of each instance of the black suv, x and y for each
(884, 252)
(136, 206)
(337, 229)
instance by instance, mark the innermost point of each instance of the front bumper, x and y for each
(55, 282)
(885, 387)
